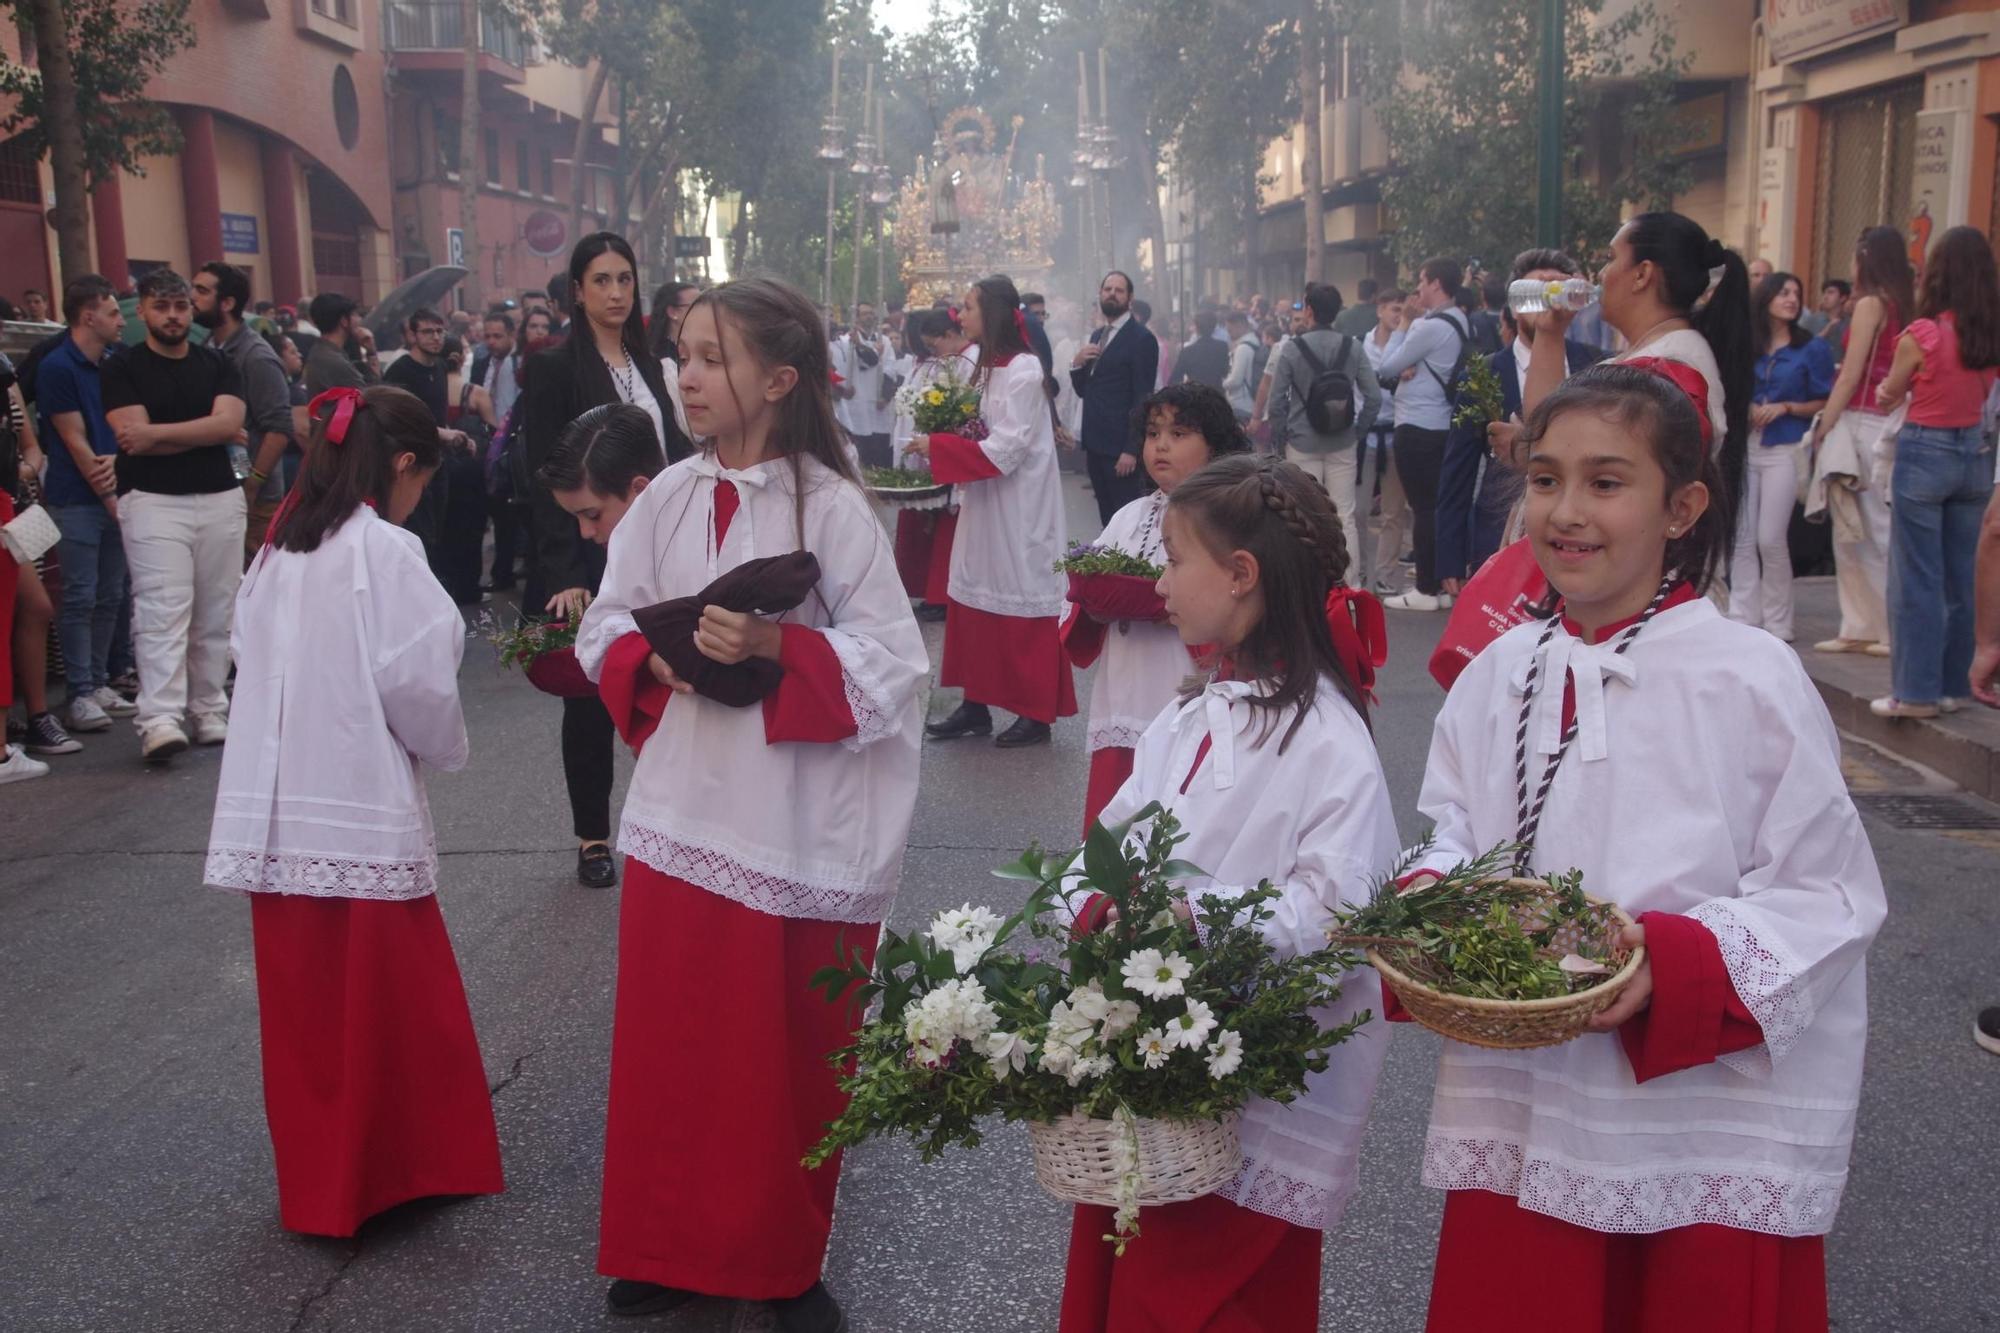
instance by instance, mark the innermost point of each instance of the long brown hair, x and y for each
(1278, 513)
(338, 478)
(1882, 270)
(1959, 279)
(782, 328)
(999, 308)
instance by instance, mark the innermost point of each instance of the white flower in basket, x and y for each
(1128, 1049)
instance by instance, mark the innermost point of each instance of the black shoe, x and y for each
(930, 611)
(965, 720)
(814, 1312)
(1023, 732)
(635, 1298)
(1986, 1029)
(596, 868)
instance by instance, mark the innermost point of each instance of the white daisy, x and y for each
(1191, 1029)
(1155, 1045)
(1154, 976)
(1225, 1055)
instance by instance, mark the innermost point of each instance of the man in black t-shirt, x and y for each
(176, 409)
(421, 368)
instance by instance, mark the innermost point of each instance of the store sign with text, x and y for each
(1798, 28)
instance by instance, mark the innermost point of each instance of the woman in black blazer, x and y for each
(603, 360)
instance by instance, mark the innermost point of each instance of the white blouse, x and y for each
(1315, 820)
(1144, 663)
(1690, 348)
(346, 679)
(1704, 780)
(792, 829)
(1010, 527)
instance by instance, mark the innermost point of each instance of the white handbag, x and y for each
(30, 535)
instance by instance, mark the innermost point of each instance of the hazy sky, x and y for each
(903, 17)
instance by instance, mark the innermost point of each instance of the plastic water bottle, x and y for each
(1531, 296)
(239, 461)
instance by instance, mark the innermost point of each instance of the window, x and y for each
(548, 171)
(521, 166)
(20, 178)
(1867, 149)
(492, 157)
(340, 11)
(446, 128)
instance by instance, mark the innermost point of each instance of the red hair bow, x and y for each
(346, 402)
(1689, 381)
(1360, 636)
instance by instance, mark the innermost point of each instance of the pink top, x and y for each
(1878, 365)
(1944, 392)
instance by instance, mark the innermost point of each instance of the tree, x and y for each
(122, 45)
(471, 163)
(1457, 103)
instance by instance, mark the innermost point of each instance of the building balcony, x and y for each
(429, 36)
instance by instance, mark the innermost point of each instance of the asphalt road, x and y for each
(135, 1174)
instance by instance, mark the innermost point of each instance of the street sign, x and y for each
(454, 247)
(239, 233)
(690, 247)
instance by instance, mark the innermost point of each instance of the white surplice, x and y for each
(793, 829)
(1704, 781)
(1010, 527)
(1144, 662)
(346, 680)
(1315, 821)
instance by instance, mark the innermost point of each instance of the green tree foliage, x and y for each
(1457, 100)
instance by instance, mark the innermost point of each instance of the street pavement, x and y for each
(135, 1175)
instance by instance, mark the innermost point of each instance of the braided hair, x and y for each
(1281, 515)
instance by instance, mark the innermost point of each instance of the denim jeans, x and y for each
(1942, 480)
(93, 592)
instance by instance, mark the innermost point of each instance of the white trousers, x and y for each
(1336, 471)
(1760, 568)
(185, 553)
(1386, 574)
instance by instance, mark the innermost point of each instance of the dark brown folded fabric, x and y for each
(769, 586)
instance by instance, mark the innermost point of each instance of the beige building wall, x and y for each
(156, 213)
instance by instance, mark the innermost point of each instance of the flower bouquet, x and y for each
(1492, 959)
(946, 405)
(546, 652)
(1111, 585)
(1128, 1049)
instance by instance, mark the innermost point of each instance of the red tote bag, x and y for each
(1493, 601)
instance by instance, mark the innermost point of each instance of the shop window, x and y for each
(1867, 149)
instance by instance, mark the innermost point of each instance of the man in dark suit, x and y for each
(1480, 481)
(1206, 359)
(1113, 373)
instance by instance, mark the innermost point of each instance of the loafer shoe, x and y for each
(627, 1297)
(596, 867)
(1023, 732)
(965, 720)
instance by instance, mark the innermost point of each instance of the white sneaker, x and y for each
(113, 703)
(17, 766)
(1413, 601)
(210, 728)
(1951, 704)
(161, 741)
(85, 714)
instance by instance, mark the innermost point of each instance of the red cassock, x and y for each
(937, 579)
(1504, 1269)
(719, 1074)
(1205, 1266)
(1010, 662)
(373, 1086)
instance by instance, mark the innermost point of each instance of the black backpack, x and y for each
(1329, 395)
(1450, 383)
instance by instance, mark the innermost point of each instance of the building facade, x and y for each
(319, 153)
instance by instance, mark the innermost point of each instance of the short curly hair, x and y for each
(1199, 406)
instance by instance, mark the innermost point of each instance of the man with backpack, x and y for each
(1430, 365)
(1332, 398)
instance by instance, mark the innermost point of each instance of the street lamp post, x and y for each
(864, 175)
(880, 192)
(832, 152)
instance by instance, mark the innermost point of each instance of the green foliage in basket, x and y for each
(896, 479)
(1022, 1018)
(522, 642)
(1481, 400)
(1473, 933)
(1083, 558)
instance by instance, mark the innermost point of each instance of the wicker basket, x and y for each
(912, 497)
(1076, 1158)
(1512, 1025)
